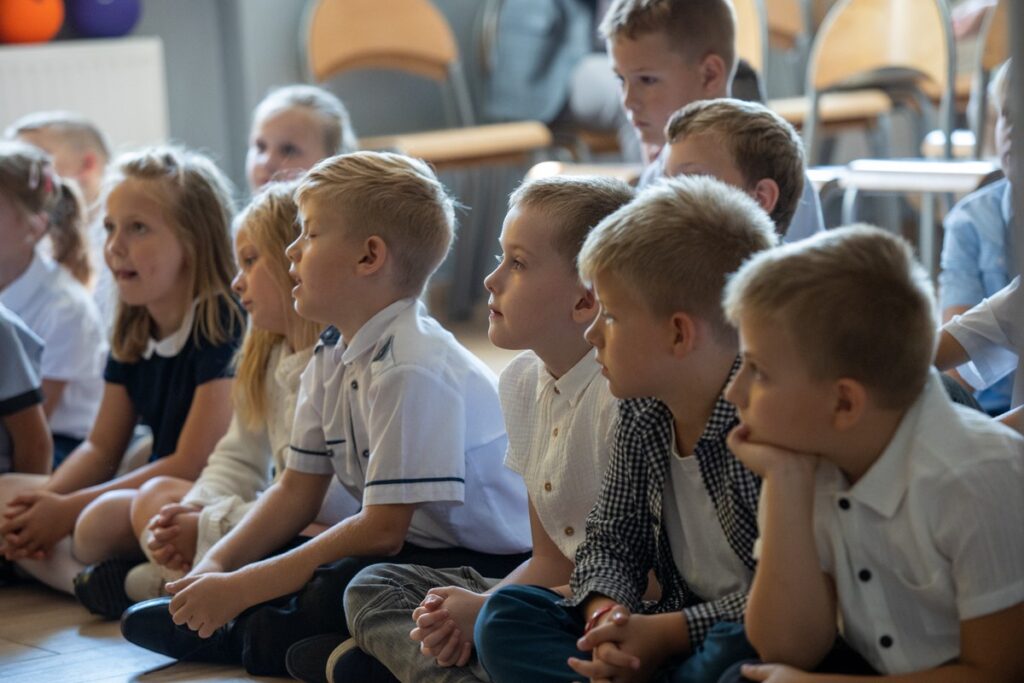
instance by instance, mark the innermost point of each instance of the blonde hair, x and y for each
(999, 88)
(73, 129)
(339, 137)
(197, 197)
(394, 197)
(271, 222)
(760, 142)
(676, 243)
(28, 179)
(574, 204)
(856, 304)
(694, 28)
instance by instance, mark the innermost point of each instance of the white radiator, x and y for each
(119, 84)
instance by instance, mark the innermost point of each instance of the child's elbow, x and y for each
(802, 651)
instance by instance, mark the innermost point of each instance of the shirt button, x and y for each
(355, 384)
(330, 452)
(569, 531)
(555, 389)
(844, 504)
(366, 454)
(547, 486)
(885, 641)
(555, 432)
(864, 575)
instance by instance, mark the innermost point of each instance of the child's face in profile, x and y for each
(778, 400)
(258, 290)
(283, 144)
(324, 260)
(632, 343)
(534, 287)
(656, 81)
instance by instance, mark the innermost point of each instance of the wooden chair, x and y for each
(413, 36)
(863, 53)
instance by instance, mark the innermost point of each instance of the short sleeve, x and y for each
(116, 372)
(19, 376)
(991, 333)
(417, 427)
(215, 361)
(960, 281)
(307, 450)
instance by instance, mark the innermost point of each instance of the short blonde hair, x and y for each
(73, 129)
(856, 305)
(339, 136)
(999, 88)
(197, 198)
(574, 204)
(394, 197)
(694, 28)
(761, 143)
(676, 244)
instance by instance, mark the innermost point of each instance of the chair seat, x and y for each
(916, 175)
(835, 108)
(546, 169)
(935, 142)
(486, 144)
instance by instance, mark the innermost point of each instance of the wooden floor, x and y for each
(47, 637)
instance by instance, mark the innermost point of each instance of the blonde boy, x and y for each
(674, 500)
(904, 525)
(560, 419)
(669, 53)
(406, 418)
(744, 144)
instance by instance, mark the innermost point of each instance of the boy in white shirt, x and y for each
(901, 532)
(405, 417)
(560, 418)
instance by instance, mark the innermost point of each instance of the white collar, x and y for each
(367, 336)
(172, 344)
(573, 383)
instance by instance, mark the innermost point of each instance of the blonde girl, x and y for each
(177, 327)
(49, 294)
(293, 128)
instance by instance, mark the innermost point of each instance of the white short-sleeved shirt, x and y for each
(61, 311)
(560, 435)
(404, 414)
(21, 352)
(929, 537)
(992, 333)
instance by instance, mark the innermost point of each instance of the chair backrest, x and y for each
(751, 33)
(405, 35)
(995, 36)
(859, 37)
(786, 22)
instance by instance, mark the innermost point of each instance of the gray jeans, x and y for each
(379, 603)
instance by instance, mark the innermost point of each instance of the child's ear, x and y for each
(851, 399)
(90, 162)
(586, 306)
(714, 76)
(683, 329)
(766, 194)
(37, 224)
(375, 256)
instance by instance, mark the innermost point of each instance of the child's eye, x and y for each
(248, 261)
(138, 227)
(108, 227)
(648, 80)
(290, 150)
(517, 264)
(260, 146)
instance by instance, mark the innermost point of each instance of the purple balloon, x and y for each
(103, 18)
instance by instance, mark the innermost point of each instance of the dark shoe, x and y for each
(307, 659)
(349, 664)
(148, 624)
(100, 587)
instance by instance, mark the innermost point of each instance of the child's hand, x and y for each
(175, 530)
(626, 647)
(34, 521)
(775, 673)
(437, 630)
(762, 458)
(462, 606)
(205, 602)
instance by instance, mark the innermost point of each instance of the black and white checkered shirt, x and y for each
(626, 535)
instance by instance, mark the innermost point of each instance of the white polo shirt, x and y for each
(404, 414)
(60, 310)
(929, 537)
(992, 333)
(560, 435)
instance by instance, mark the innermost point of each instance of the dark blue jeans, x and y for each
(523, 634)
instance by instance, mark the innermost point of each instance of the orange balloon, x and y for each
(30, 21)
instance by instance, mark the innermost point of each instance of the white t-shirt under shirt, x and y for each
(560, 439)
(402, 413)
(60, 310)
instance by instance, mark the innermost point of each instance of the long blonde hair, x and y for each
(198, 202)
(27, 177)
(271, 221)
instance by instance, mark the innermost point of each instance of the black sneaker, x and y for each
(149, 624)
(100, 587)
(349, 664)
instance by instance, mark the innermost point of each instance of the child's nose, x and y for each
(238, 283)
(592, 335)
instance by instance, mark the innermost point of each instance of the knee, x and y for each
(503, 619)
(152, 496)
(376, 587)
(99, 522)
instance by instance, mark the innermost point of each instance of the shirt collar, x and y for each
(172, 344)
(885, 483)
(367, 336)
(18, 294)
(572, 384)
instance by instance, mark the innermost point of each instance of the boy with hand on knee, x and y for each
(674, 499)
(889, 515)
(560, 419)
(405, 417)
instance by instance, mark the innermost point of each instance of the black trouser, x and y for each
(262, 634)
